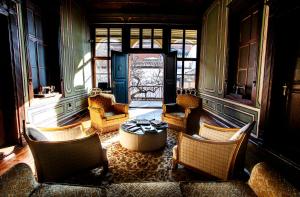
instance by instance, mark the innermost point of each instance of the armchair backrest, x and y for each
(104, 101)
(238, 160)
(188, 100)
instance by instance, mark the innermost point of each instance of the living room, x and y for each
(146, 80)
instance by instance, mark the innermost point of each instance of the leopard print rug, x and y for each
(132, 166)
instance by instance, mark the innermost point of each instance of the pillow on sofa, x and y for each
(239, 132)
(35, 134)
(199, 137)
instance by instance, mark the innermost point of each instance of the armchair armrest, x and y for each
(171, 107)
(189, 110)
(121, 107)
(213, 157)
(98, 110)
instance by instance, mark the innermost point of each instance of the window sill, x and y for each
(238, 98)
(45, 99)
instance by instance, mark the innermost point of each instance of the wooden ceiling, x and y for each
(146, 10)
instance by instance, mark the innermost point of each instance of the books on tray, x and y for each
(148, 129)
(142, 122)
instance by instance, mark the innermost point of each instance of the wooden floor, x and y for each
(23, 154)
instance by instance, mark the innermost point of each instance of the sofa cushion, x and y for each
(176, 115)
(199, 137)
(35, 134)
(112, 115)
(216, 189)
(18, 181)
(169, 189)
(265, 182)
(68, 190)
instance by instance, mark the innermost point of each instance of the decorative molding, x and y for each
(262, 53)
(218, 107)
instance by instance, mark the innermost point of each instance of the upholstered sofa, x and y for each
(19, 181)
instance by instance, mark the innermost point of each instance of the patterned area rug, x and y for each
(132, 166)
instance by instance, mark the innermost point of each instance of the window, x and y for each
(185, 43)
(107, 39)
(146, 38)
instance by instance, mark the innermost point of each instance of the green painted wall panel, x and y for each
(211, 48)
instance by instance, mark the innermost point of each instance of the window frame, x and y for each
(106, 58)
(184, 59)
(166, 38)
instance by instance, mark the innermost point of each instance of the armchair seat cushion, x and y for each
(113, 115)
(107, 115)
(176, 115)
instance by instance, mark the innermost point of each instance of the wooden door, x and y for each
(247, 54)
(119, 76)
(170, 73)
(285, 101)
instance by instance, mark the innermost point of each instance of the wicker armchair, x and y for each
(106, 115)
(216, 151)
(184, 115)
(63, 151)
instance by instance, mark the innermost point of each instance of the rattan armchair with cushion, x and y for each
(184, 114)
(107, 115)
(216, 151)
(63, 151)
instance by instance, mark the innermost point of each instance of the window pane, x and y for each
(101, 32)
(101, 66)
(101, 49)
(179, 81)
(190, 44)
(115, 47)
(146, 38)
(157, 43)
(134, 43)
(146, 43)
(189, 74)
(178, 48)
(157, 38)
(115, 34)
(176, 36)
(191, 34)
(158, 33)
(190, 50)
(179, 67)
(101, 39)
(101, 78)
(134, 38)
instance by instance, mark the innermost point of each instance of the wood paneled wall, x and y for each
(214, 67)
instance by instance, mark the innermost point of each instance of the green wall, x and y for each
(75, 70)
